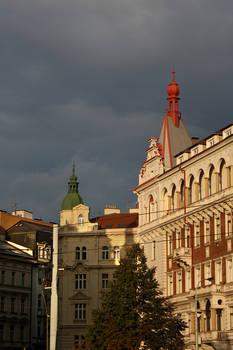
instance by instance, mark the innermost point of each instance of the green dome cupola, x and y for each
(72, 198)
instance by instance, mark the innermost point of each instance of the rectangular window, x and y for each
(21, 333)
(187, 237)
(206, 232)
(195, 151)
(116, 253)
(218, 272)
(228, 223)
(188, 281)
(207, 274)
(80, 312)
(1, 332)
(231, 317)
(22, 306)
(211, 142)
(197, 236)
(80, 281)
(3, 274)
(179, 282)
(197, 276)
(12, 305)
(178, 240)
(228, 133)
(217, 231)
(12, 333)
(105, 253)
(104, 280)
(170, 284)
(169, 245)
(23, 279)
(229, 270)
(13, 278)
(2, 305)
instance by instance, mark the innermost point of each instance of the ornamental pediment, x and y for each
(79, 296)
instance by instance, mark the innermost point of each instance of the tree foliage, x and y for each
(134, 315)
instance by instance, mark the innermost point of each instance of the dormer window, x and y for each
(228, 132)
(211, 142)
(81, 220)
(195, 151)
(181, 159)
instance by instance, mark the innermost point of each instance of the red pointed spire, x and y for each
(173, 91)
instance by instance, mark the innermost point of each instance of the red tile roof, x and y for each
(124, 220)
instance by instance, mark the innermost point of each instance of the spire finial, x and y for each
(73, 168)
(173, 74)
(166, 109)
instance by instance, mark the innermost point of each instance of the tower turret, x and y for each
(72, 198)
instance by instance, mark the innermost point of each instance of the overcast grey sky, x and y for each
(86, 80)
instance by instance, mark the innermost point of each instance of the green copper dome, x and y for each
(72, 198)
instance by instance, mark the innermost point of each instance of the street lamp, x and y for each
(196, 312)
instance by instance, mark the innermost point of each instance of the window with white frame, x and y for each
(218, 272)
(178, 282)
(116, 251)
(197, 276)
(187, 280)
(228, 132)
(105, 253)
(228, 223)
(229, 274)
(104, 280)
(217, 228)
(196, 235)
(170, 284)
(169, 248)
(80, 312)
(81, 220)
(153, 250)
(207, 273)
(80, 281)
(206, 232)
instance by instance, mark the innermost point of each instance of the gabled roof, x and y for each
(25, 226)
(7, 249)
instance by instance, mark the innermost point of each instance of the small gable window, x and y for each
(81, 220)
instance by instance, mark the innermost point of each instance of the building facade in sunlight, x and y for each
(89, 251)
(185, 196)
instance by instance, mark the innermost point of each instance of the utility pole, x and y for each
(54, 299)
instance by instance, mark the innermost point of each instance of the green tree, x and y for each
(134, 315)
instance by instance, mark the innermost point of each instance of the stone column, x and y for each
(213, 317)
(206, 179)
(229, 176)
(196, 192)
(217, 181)
(178, 200)
(169, 203)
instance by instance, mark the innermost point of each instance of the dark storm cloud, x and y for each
(86, 81)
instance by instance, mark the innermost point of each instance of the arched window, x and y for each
(191, 189)
(182, 194)
(208, 315)
(201, 185)
(222, 176)
(211, 180)
(151, 209)
(84, 253)
(105, 253)
(77, 253)
(173, 198)
(81, 220)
